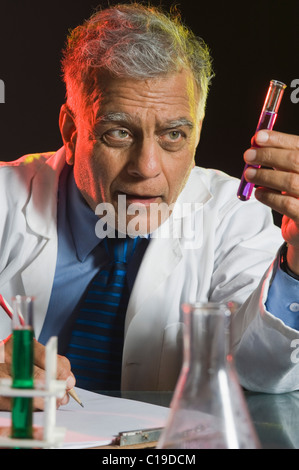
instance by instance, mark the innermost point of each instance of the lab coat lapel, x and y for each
(165, 249)
(41, 213)
(41, 209)
(44, 264)
(160, 259)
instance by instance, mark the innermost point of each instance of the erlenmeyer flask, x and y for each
(208, 409)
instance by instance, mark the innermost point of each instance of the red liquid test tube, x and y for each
(266, 121)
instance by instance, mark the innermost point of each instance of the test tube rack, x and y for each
(50, 390)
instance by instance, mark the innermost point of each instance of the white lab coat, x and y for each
(232, 250)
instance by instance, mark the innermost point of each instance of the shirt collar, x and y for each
(82, 220)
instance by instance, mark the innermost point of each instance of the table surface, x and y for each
(275, 417)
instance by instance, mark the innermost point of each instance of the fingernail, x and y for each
(250, 173)
(70, 382)
(64, 400)
(262, 136)
(250, 155)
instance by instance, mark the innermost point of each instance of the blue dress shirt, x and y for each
(81, 254)
(283, 299)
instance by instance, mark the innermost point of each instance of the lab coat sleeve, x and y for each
(267, 353)
(246, 261)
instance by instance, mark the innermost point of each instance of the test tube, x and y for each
(266, 121)
(22, 365)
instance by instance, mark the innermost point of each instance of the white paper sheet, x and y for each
(101, 419)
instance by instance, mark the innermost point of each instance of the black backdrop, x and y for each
(251, 42)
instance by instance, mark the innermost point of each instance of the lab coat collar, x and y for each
(41, 209)
(193, 194)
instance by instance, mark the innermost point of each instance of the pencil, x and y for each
(74, 395)
(7, 308)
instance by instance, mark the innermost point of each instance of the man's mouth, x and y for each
(144, 199)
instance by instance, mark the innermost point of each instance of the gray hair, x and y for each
(135, 41)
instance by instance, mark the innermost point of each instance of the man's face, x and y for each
(137, 140)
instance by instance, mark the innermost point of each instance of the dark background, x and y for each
(251, 43)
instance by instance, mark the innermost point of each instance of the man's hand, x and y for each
(63, 372)
(278, 189)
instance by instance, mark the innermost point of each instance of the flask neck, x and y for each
(207, 340)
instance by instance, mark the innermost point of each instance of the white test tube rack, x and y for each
(50, 390)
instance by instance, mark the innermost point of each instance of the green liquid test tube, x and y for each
(22, 367)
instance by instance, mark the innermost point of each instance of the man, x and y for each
(137, 83)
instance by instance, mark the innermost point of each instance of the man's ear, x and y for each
(68, 132)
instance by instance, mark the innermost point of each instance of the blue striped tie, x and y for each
(95, 349)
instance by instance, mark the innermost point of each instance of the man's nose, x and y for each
(145, 161)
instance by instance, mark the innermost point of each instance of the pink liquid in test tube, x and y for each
(267, 119)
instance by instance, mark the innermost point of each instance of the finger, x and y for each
(5, 403)
(63, 401)
(39, 377)
(282, 181)
(280, 159)
(63, 364)
(5, 371)
(38, 404)
(64, 370)
(290, 232)
(282, 203)
(276, 139)
(39, 355)
(6, 350)
(64, 373)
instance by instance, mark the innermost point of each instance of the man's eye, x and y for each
(175, 135)
(116, 137)
(119, 134)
